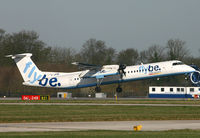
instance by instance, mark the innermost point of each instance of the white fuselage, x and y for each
(109, 74)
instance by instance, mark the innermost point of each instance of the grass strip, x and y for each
(59, 113)
(112, 101)
(110, 134)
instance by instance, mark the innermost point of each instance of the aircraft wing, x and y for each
(87, 66)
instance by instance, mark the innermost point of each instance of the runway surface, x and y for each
(103, 125)
(85, 104)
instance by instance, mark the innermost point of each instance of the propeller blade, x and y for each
(121, 69)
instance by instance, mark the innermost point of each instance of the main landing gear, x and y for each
(119, 89)
(98, 89)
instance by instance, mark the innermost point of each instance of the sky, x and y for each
(120, 23)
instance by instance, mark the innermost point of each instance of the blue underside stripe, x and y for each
(170, 96)
(127, 80)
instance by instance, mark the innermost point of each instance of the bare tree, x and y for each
(110, 56)
(143, 56)
(155, 53)
(129, 56)
(176, 49)
(26, 42)
(199, 52)
(96, 52)
(62, 55)
(2, 33)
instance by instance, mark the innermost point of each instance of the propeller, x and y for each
(121, 69)
(195, 76)
(195, 67)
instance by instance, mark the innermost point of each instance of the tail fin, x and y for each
(29, 71)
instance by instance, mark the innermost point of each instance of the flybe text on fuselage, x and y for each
(43, 81)
(150, 68)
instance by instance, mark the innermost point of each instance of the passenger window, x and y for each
(182, 89)
(162, 89)
(191, 89)
(178, 89)
(171, 89)
(153, 89)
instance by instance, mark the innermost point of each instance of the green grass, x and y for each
(110, 134)
(113, 101)
(55, 113)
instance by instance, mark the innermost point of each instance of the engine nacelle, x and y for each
(195, 77)
(110, 67)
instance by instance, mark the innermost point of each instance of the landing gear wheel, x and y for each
(98, 89)
(118, 89)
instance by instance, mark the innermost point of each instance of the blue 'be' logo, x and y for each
(52, 82)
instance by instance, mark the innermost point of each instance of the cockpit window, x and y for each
(177, 63)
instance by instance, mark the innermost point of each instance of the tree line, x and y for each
(93, 51)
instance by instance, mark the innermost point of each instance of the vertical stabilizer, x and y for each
(29, 71)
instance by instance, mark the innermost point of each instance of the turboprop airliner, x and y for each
(93, 75)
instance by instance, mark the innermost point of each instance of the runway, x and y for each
(99, 104)
(103, 125)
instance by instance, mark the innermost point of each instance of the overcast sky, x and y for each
(120, 23)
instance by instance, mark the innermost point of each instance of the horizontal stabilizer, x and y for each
(19, 55)
(29, 71)
(87, 66)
